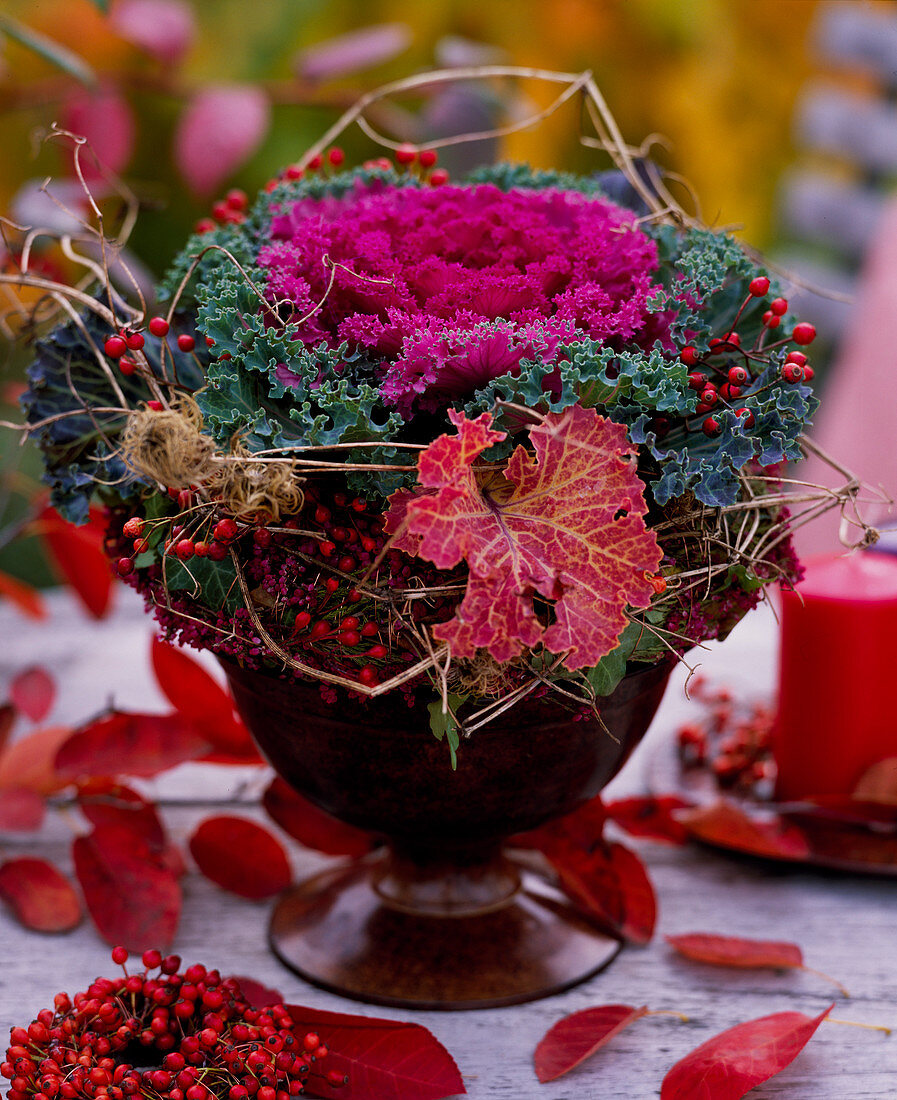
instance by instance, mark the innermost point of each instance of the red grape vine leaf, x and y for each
(40, 896)
(240, 856)
(563, 522)
(733, 1062)
(32, 692)
(650, 817)
(577, 1037)
(312, 826)
(736, 951)
(131, 891)
(383, 1059)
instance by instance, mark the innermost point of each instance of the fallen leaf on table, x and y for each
(7, 721)
(726, 825)
(103, 801)
(879, 783)
(650, 817)
(41, 897)
(736, 951)
(200, 699)
(313, 827)
(124, 743)
(383, 1059)
(21, 810)
(258, 995)
(131, 891)
(32, 692)
(575, 1038)
(733, 1062)
(240, 856)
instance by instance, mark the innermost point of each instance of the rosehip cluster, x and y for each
(190, 1036)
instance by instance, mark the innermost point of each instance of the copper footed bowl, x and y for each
(440, 917)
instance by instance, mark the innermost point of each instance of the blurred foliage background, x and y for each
(717, 79)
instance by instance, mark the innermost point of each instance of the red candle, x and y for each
(837, 711)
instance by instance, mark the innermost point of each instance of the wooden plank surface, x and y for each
(847, 925)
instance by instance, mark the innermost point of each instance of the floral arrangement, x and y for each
(476, 439)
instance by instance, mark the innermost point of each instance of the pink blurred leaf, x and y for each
(220, 128)
(163, 28)
(33, 692)
(349, 53)
(105, 118)
(21, 810)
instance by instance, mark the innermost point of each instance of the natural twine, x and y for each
(169, 447)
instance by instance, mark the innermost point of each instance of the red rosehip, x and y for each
(738, 376)
(158, 326)
(771, 320)
(710, 426)
(746, 417)
(185, 549)
(133, 527)
(124, 567)
(225, 530)
(779, 306)
(759, 286)
(217, 550)
(185, 342)
(796, 357)
(135, 341)
(697, 381)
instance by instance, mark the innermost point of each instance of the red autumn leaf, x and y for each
(575, 1038)
(7, 721)
(726, 825)
(564, 522)
(21, 810)
(33, 692)
(129, 744)
(27, 599)
(240, 856)
(879, 783)
(41, 897)
(361, 49)
(105, 118)
(384, 1059)
(258, 995)
(31, 761)
(201, 699)
(733, 1062)
(582, 828)
(77, 553)
(220, 128)
(132, 894)
(105, 802)
(639, 901)
(163, 28)
(650, 817)
(313, 827)
(736, 951)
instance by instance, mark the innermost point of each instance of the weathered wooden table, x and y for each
(847, 925)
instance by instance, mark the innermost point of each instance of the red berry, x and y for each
(746, 417)
(689, 355)
(370, 630)
(320, 629)
(115, 347)
(135, 341)
(151, 959)
(369, 678)
(336, 156)
(302, 620)
(709, 397)
(201, 549)
(326, 547)
(294, 172)
(710, 426)
(225, 530)
(217, 550)
(792, 373)
(210, 343)
(335, 1078)
(378, 652)
(204, 225)
(331, 584)
(809, 373)
(156, 406)
(759, 286)
(406, 154)
(186, 343)
(796, 357)
(428, 158)
(438, 177)
(124, 566)
(236, 199)
(158, 326)
(697, 381)
(262, 537)
(315, 163)
(347, 564)
(779, 306)
(804, 333)
(184, 549)
(771, 320)
(738, 376)
(133, 527)
(728, 391)
(119, 955)
(349, 638)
